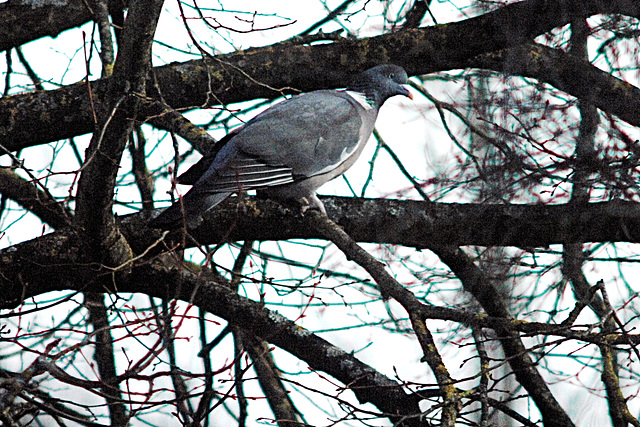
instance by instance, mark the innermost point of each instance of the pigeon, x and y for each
(289, 150)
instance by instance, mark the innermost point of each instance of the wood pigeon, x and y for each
(289, 150)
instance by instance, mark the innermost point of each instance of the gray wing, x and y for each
(298, 138)
(309, 133)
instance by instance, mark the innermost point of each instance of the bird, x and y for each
(290, 149)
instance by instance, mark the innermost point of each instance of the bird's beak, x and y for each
(407, 92)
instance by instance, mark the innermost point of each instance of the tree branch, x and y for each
(58, 268)
(115, 122)
(411, 223)
(22, 22)
(390, 288)
(265, 72)
(568, 73)
(478, 284)
(33, 199)
(105, 357)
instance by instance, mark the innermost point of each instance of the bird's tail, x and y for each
(188, 210)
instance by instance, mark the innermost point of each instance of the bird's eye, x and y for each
(392, 76)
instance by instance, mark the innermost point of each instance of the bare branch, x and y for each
(420, 51)
(102, 161)
(413, 223)
(34, 199)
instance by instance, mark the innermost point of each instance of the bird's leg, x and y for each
(312, 202)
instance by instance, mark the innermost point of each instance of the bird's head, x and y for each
(381, 83)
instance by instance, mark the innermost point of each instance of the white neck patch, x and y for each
(360, 99)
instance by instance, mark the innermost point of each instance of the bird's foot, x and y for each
(312, 202)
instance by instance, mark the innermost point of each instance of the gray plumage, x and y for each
(289, 150)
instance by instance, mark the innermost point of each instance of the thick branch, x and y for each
(368, 384)
(262, 72)
(412, 223)
(102, 161)
(409, 223)
(33, 199)
(22, 22)
(52, 263)
(55, 267)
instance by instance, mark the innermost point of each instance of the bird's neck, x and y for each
(366, 98)
(367, 103)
